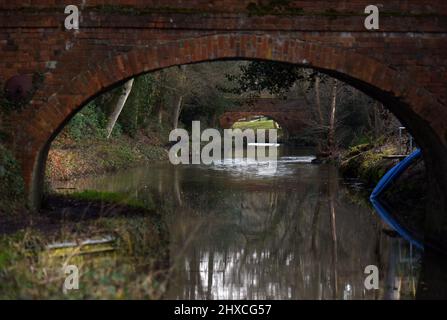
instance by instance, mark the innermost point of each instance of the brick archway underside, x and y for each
(404, 65)
(293, 115)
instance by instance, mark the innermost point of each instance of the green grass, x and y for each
(109, 197)
(261, 124)
(97, 156)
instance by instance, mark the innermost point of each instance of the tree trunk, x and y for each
(178, 106)
(320, 114)
(377, 121)
(127, 88)
(160, 113)
(318, 100)
(177, 110)
(177, 188)
(331, 134)
(159, 97)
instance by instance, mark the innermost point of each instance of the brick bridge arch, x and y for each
(397, 91)
(403, 65)
(293, 115)
(228, 119)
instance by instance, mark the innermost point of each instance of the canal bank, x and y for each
(407, 196)
(72, 159)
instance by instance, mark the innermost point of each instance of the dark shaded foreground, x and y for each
(433, 277)
(140, 250)
(118, 257)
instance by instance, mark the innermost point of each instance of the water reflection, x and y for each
(236, 233)
(384, 212)
(433, 262)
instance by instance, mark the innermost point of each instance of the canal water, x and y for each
(245, 230)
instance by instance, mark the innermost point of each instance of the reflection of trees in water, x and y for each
(298, 242)
(274, 238)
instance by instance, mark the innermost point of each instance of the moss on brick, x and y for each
(130, 10)
(274, 7)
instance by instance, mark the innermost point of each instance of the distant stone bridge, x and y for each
(48, 74)
(292, 115)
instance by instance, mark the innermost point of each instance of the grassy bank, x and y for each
(368, 162)
(260, 124)
(69, 158)
(406, 198)
(256, 124)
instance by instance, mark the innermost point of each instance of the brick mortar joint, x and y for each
(248, 12)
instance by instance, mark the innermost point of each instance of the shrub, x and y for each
(90, 122)
(11, 182)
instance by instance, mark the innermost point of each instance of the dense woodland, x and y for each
(171, 98)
